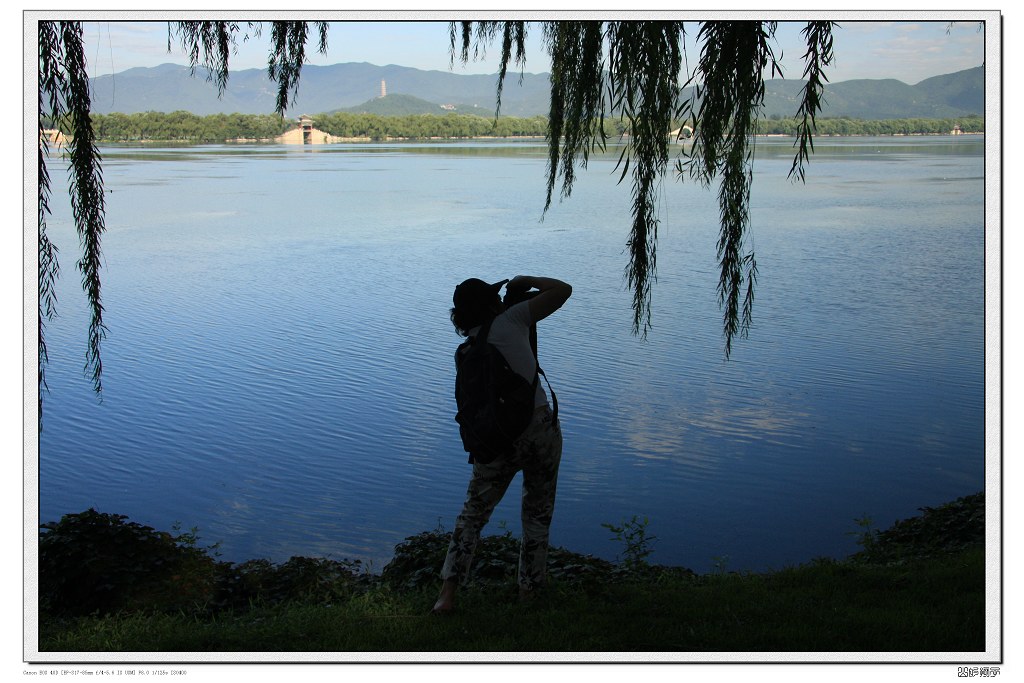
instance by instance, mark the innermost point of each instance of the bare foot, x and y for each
(446, 600)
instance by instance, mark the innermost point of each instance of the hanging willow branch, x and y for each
(818, 36)
(87, 204)
(576, 114)
(645, 63)
(288, 54)
(51, 85)
(216, 41)
(733, 59)
(513, 34)
(640, 84)
(64, 100)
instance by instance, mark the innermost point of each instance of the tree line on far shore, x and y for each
(186, 127)
(847, 126)
(183, 126)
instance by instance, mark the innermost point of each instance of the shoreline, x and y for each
(364, 139)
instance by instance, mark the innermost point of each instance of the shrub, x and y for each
(97, 562)
(417, 563)
(417, 560)
(310, 581)
(947, 529)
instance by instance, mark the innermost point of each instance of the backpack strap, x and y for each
(485, 329)
(554, 399)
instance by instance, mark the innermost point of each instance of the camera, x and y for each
(515, 295)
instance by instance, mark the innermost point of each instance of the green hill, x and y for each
(963, 90)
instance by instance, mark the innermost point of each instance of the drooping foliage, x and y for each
(65, 102)
(633, 70)
(216, 41)
(645, 59)
(49, 268)
(288, 45)
(64, 98)
(629, 70)
(730, 92)
(513, 34)
(818, 36)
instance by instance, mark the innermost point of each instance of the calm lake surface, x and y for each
(278, 370)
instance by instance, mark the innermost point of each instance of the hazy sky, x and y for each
(909, 51)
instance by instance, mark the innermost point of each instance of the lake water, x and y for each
(278, 370)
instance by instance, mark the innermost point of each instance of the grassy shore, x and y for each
(916, 587)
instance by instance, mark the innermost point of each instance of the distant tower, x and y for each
(383, 88)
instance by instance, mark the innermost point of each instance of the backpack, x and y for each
(495, 403)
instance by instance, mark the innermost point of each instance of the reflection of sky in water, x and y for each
(279, 369)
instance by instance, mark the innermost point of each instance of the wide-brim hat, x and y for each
(474, 293)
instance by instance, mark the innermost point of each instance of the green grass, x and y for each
(934, 605)
(916, 587)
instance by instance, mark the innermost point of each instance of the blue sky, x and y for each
(909, 51)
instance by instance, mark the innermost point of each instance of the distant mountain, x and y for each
(951, 95)
(321, 89)
(939, 97)
(964, 90)
(357, 86)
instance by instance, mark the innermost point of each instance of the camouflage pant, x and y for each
(538, 453)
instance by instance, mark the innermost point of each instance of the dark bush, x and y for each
(947, 529)
(301, 579)
(93, 562)
(417, 560)
(417, 563)
(97, 562)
